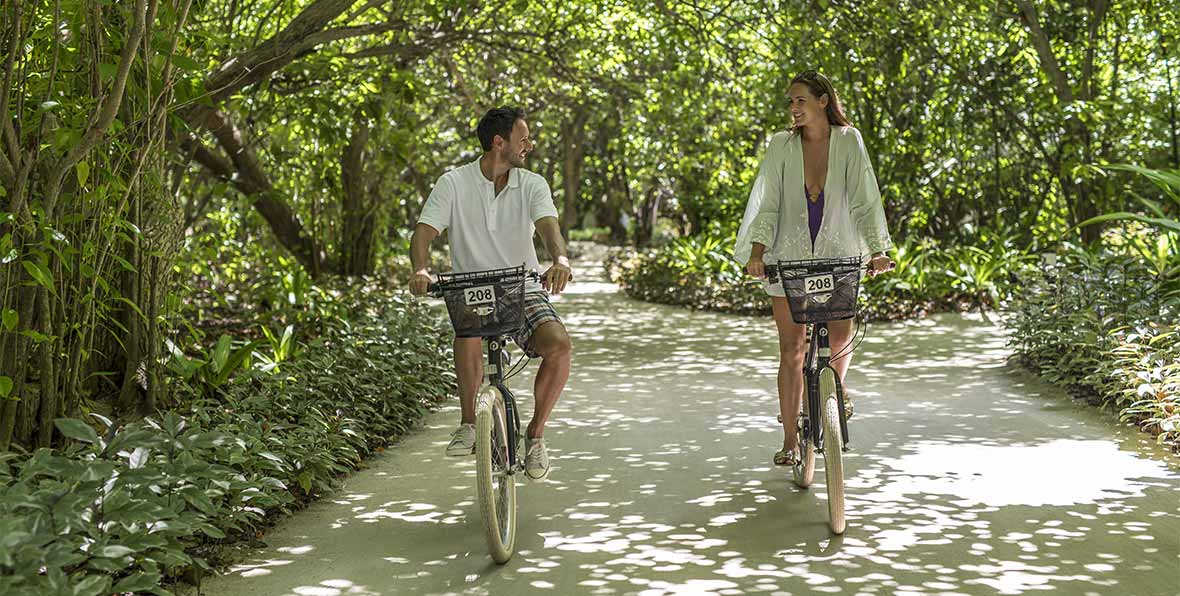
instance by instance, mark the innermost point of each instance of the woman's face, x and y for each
(806, 108)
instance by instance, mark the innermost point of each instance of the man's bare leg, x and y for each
(552, 343)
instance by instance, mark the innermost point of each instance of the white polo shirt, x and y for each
(489, 231)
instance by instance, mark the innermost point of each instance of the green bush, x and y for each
(696, 272)
(699, 272)
(126, 507)
(1104, 326)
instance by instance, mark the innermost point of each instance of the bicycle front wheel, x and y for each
(833, 454)
(804, 469)
(495, 482)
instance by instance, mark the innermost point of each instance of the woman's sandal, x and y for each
(786, 457)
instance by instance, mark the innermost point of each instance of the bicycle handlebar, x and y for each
(821, 266)
(436, 288)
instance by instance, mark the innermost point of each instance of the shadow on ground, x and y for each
(967, 477)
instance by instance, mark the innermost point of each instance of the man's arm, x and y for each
(420, 257)
(556, 277)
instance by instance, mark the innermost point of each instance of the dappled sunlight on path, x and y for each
(966, 477)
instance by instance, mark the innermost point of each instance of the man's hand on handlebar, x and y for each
(557, 276)
(420, 283)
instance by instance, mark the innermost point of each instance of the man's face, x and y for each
(518, 146)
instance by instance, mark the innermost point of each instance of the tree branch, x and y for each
(12, 145)
(256, 65)
(1098, 12)
(7, 172)
(105, 115)
(253, 182)
(1045, 51)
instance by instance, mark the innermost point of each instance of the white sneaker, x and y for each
(462, 441)
(536, 459)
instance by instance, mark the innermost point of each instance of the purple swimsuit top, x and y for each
(815, 214)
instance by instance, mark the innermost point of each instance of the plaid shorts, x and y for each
(537, 311)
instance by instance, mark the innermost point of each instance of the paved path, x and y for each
(968, 477)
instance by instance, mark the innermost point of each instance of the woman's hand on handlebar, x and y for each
(880, 263)
(756, 267)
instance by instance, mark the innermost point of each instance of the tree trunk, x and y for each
(247, 176)
(58, 326)
(358, 206)
(573, 133)
(1078, 136)
(646, 215)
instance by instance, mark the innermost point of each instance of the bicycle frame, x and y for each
(495, 347)
(819, 357)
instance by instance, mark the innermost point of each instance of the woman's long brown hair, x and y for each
(818, 84)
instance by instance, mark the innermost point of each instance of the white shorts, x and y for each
(774, 290)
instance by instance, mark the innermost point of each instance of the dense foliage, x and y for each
(129, 505)
(319, 127)
(700, 272)
(186, 187)
(1104, 325)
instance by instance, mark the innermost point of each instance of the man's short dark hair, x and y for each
(498, 121)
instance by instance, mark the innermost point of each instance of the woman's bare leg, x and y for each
(839, 337)
(791, 344)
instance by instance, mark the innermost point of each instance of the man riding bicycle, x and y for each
(492, 207)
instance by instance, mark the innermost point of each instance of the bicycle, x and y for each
(490, 305)
(819, 291)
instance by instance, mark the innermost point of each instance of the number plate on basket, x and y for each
(480, 295)
(818, 283)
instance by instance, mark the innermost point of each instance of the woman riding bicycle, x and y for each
(815, 197)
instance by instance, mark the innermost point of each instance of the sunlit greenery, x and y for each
(199, 196)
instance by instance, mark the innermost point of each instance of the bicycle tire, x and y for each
(804, 470)
(833, 452)
(496, 486)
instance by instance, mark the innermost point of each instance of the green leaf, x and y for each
(1169, 224)
(76, 429)
(83, 171)
(5, 386)
(115, 551)
(107, 71)
(40, 274)
(11, 318)
(133, 306)
(36, 336)
(140, 582)
(185, 63)
(1167, 181)
(124, 263)
(221, 352)
(92, 585)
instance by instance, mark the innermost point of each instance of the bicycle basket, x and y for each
(821, 290)
(485, 303)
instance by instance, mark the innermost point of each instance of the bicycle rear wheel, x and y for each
(496, 486)
(833, 451)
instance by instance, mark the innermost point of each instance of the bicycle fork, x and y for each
(820, 359)
(494, 370)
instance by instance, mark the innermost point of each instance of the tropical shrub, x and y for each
(126, 507)
(699, 272)
(1104, 326)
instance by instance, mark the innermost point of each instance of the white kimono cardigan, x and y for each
(776, 214)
